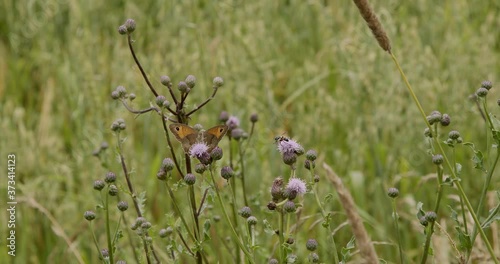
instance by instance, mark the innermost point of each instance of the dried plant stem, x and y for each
(57, 227)
(365, 244)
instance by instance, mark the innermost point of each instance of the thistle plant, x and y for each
(169, 110)
(443, 160)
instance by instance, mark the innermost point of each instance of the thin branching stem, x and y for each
(204, 103)
(129, 39)
(95, 240)
(174, 157)
(185, 243)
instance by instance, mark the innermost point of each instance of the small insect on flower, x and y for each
(288, 146)
(280, 138)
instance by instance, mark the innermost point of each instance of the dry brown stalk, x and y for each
(363, 240)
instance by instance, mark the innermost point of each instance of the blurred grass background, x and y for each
(308, 68)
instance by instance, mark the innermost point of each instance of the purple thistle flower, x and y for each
(233, 122)
(289, 146)
(296, 185)
(198, 149)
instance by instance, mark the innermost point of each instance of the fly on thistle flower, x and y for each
(288, 145)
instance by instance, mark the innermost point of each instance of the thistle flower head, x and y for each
(482, 92)
(276, 189)
(289, 146)
(99, 185)
(296, 185)
(238, 134)
(487, 84)
(233, 122)
(130, 25)
(198, 149)
(224, 116)
(218, 82)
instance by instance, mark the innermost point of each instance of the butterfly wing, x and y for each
(213, 135)
(184, 134)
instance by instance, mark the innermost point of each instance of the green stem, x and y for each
(108, 229)
(178, 211)
(234, 233)
(234, 211)
(281, 236)
(396, 224)
(95, 240)
(427, 243)
(440, 188)
(242, 166)
(324, 214)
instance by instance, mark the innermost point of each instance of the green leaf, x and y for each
(420, 212)
(141, 200)
(494, 215)
(206, 230)
(448, 181)
(328, 197)
(464, 239)
(454, 215)
(458, 169)
(345, 252)
(495, 130)
(268, 229)
(326, 222)
(495, 122)
(477, 158)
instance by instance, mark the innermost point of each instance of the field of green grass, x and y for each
(311, 70)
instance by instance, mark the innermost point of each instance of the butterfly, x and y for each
(188, 136)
